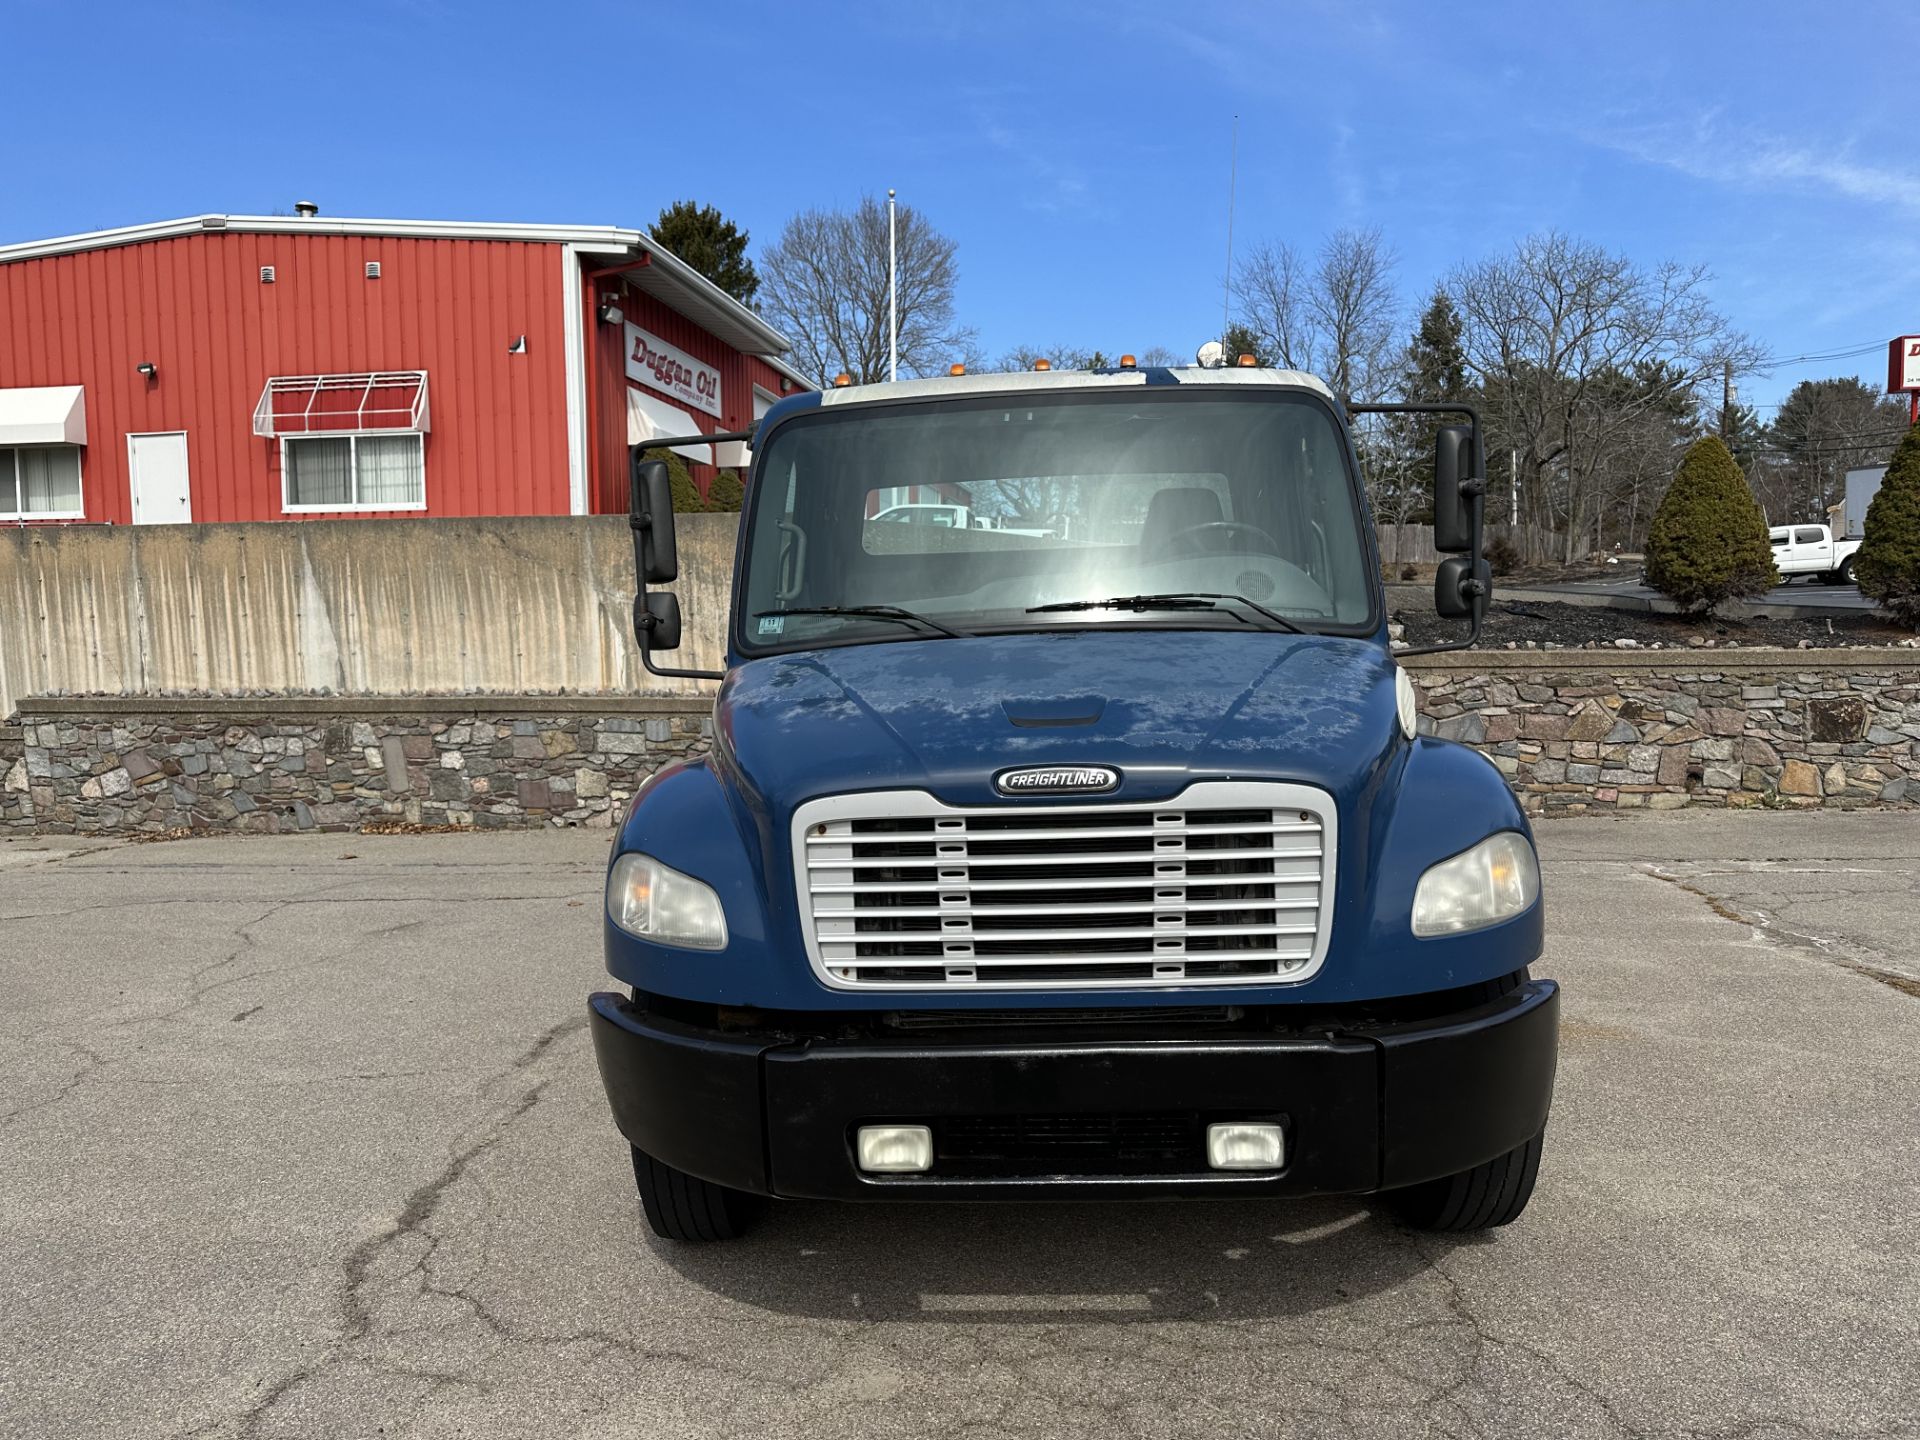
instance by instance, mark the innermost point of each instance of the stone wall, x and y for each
(1571, 730)
(1779, 728)
(152, 767)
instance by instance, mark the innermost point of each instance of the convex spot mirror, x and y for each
(652, 519)
(656, 620)
(1456, 584)
(1452, 511)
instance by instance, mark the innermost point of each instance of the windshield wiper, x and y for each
(1175, 600)
(875, 612)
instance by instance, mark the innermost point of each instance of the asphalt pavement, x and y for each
(303, 1137)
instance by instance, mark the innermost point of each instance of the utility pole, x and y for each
(893, 296)
(1513, 487)
(1727, 394)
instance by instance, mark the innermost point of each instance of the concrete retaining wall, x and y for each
(390, 607)
(1778, 728)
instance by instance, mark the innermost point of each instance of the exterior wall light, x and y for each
(610, 311)
(148, 369)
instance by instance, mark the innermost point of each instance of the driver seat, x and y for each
(1177, 508)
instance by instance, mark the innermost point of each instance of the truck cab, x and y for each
(1104, 860)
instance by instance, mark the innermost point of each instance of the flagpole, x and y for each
(893, 297)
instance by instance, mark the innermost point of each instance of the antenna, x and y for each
(1233, 177)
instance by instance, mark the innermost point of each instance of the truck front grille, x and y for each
(1227, 884)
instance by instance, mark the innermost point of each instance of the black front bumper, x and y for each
(1365, 1107)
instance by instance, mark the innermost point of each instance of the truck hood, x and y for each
(1164, 707)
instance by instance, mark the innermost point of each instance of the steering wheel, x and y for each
(1217, 527)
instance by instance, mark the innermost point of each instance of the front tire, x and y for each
(1478, 1199)
(1845, 573)
(684, 1207)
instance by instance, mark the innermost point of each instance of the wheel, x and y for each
(1845, 573)
(680, 1206)
(1478, 1199)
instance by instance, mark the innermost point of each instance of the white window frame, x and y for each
(19, 491)
(287, 507)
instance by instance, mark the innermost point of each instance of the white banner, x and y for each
(653, 362)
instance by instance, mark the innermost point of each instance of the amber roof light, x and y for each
(1246, 362)
(956, 369)
(1043, 364)
(841, 380)
(1126, 362)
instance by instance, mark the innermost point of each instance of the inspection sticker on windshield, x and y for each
(773, 624)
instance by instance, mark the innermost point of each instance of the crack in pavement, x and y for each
(1767, 926)
(358, 1267)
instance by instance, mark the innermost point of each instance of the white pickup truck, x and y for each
(1811, 550)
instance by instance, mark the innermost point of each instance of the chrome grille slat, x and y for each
(1229, 883)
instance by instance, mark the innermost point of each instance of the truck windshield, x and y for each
(971, 513)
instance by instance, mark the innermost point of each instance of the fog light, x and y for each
(1245, 1147)
(894, 1149)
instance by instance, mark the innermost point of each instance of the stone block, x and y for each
(1836, 721)
(1717, 721)
(527, 747)
(535, 795)
(1502, 729)
(1721, 777)
(416, 747)
(1797, 777)
(1712, 749)
(589, 783)
(1591, 722)
(1622, 734)
(1469, 728)
(1836, 778)
(1674, 764)
(1755, 751)
(393, 759)
(556, 743)
(618, 742)
(1583, 774)
(452, 760)
(1666, 800)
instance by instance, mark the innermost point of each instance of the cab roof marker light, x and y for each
(1043, 365)
(1247, 362)
(842, 380)
(956, 369)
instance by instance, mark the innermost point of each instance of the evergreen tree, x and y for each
(686, 495)
(1888, 563)
(1241, 339)
(726, 492)
(1709, 542)
(711, 244)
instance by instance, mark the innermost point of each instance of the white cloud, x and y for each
(1707, 150)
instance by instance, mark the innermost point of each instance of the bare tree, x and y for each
(1334, 318)
(1571, 347)
(825, 283)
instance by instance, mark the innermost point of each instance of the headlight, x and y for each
(1494, 881)
(1405, 701)
(658, 903)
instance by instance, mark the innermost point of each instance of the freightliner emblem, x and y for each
(1057, 780)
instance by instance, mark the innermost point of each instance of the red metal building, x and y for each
(228, 367)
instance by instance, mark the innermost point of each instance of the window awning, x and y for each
(342, 404)
(43, 415)
(651, 418)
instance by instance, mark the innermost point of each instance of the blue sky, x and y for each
(1077, 153)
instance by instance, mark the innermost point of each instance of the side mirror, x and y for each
(1458, 584)
(650, 513)
(1452, 510)
(656, 620)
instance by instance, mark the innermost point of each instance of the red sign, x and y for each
(1903, 364)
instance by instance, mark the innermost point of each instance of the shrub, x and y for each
(686, 495)
(1888, 564)
(726, 492)
(1709, 540)
(1503, 556)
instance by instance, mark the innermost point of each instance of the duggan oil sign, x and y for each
(654, 363)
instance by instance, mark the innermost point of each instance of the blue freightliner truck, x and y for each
(1084, 849)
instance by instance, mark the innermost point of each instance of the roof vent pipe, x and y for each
(305, 209)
